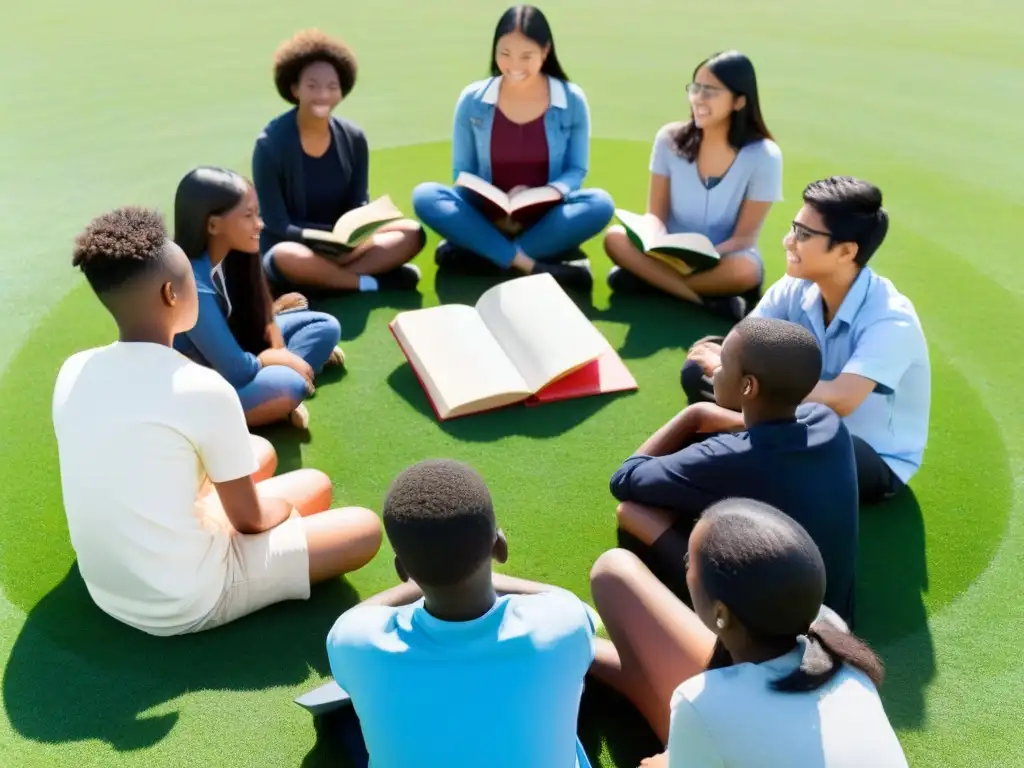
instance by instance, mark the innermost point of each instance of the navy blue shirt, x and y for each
(326, 181)
(804, 467)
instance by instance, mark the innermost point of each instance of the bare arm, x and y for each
(748, 227)
(246, 511)
(658, 199)
(691, 421)
(844, 394)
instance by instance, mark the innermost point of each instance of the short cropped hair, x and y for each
(120, 245)
(783, 356)
(309, 47)
(852, 211)
(440, 521)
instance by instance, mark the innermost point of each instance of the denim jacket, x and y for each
(566, 124)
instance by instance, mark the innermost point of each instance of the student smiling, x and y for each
(718, 175)
(525, 126)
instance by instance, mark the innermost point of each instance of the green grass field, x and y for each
(110, 102)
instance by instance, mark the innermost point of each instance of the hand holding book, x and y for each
(354, 227)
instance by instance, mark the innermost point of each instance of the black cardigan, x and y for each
(277, 175)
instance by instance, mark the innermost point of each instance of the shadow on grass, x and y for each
(892, 575)
(76, 674)
(353, 311)
(608, 720)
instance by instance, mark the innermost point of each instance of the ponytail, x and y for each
(826, 649)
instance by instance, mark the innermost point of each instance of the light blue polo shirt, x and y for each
(875, 334)
(501, 691)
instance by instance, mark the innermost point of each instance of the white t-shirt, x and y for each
(138, 427)
(731, 717)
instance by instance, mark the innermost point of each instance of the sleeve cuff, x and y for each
(561, 187)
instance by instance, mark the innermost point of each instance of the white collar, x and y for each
(556, 89)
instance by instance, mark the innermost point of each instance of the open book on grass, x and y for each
(497, 205)
(524, 341)
(356, 225)
(695, 251)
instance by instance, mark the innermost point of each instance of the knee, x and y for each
(600, 205)
(328, 329)
(616, 242)
(691, 379)
(612, 573)
(367, 534)
(283, 382)
(287, 251)
(426, 197)
(746, 272)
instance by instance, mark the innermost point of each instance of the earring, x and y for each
(720, 623)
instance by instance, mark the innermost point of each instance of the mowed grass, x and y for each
(113, 106)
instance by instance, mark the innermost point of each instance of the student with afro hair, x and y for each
(173, 514)
(459, 666)
(310, 167)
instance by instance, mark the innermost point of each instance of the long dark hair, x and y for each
(765, 568)
(746, 125)
(531, 22)
(208, 191)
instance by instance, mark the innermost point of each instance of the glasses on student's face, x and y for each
(709, 91)
(802, 233)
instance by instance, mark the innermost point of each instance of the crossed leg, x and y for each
(656, 641)
(340, 540)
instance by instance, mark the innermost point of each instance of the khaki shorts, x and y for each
(263, 569)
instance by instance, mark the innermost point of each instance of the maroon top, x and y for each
(519, 153)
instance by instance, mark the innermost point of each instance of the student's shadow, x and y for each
(354, 309)
(76, 674)
(892, 575)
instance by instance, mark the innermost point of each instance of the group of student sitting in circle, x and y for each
(730, 601)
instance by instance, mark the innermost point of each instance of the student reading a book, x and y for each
(759, 674)
(271, 359)
(310, 168)
(460, 667)
(798, 458)
(524, 131)
(876, 372)
(157, 467)
(717, 175)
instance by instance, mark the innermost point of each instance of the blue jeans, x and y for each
(449, 212)
(310, 335)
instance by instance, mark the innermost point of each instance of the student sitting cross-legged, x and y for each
(310, 167)
(798, 458)
(270, 358)
(157, 468)
(460, 667)
(758, 674)
(717, 174)
(875, 369)
(524, 127)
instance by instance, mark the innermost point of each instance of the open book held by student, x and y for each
(354, 226)
(525, 341)
(685, 251)
(524, 207)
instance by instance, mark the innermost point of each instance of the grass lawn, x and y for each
(113, 101)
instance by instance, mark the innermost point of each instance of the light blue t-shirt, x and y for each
(875, 334)
(713, 209)
(501, 691)
(732, 717)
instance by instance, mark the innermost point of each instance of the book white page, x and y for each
(542, 331)
(642, 226)
(483, 188)
(689, 241)
(461, 364)
(377, 212)
(532, 196)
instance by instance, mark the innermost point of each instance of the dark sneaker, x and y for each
(575, 276)
(732, 307)
(452, 258)
(752, 298)
(404, 278)
(623, 281)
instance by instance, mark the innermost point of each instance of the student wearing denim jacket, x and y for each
(269, 354)
(525, 126)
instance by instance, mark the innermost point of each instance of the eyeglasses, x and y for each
(803, 233)
(709, 91)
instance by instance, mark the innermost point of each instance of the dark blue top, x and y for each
(211, 342)
(324, 206)
(803, 467)
(279, 175)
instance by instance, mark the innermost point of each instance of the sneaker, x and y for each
(454, 259)
(623, 281)
(575, 276)
(403, 278)
(732, 307)
(337, 358)
(752, 298)
(299, 418)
